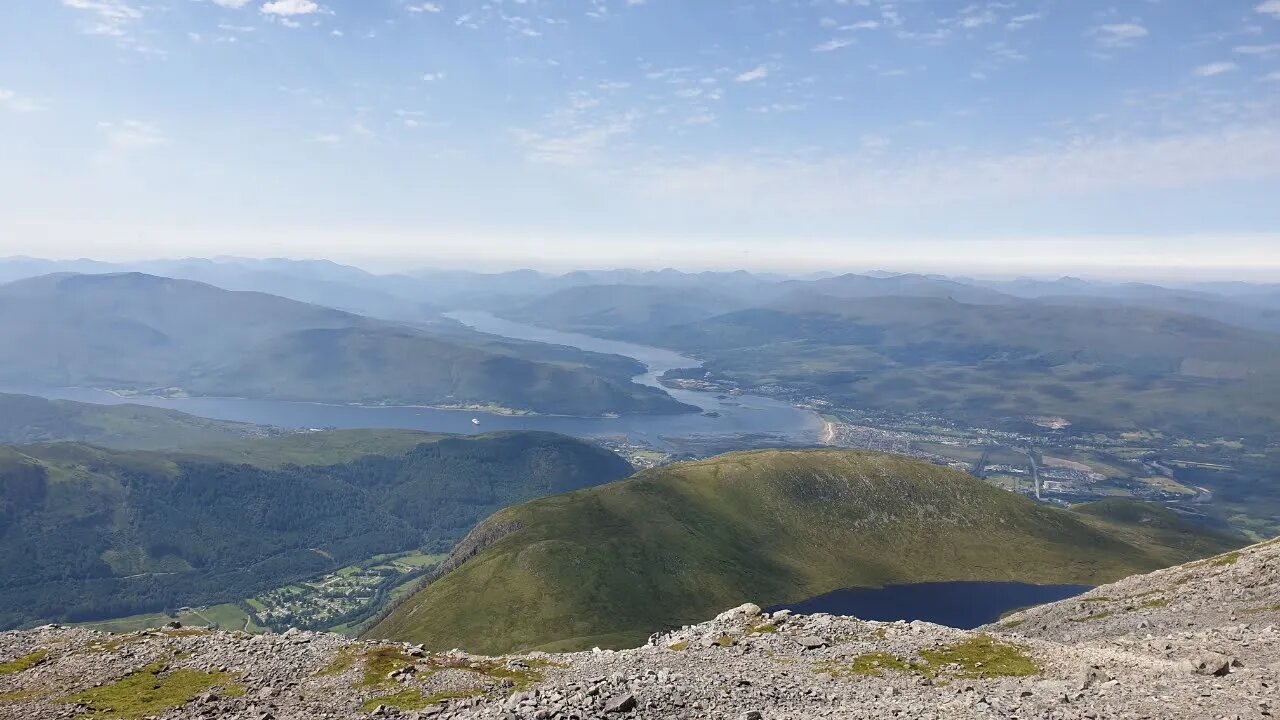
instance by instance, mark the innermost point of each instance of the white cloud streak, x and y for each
(1215, 68)
(1075, 168)
(289, 8)
(759, 72)
(12, 101)
(1119, 35)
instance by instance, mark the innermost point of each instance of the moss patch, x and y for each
(18, 696)
(149, 691)
(381, 662)
(23, 663)
(679, 646)
(1230, 558)
(341, 661)
(764, 629)
(1153, 604)
(982, 657)
(869, 665)
(1091, 618)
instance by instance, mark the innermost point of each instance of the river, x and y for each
(766, 420)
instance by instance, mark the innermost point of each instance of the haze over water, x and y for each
(741, 415)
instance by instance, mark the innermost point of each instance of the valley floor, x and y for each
(1194, 641)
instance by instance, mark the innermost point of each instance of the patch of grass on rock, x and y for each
(678, 646)
(344, 659)
(869, 665)
(1092, 618)
(148, 691)
(982, 657)
(381, 662)
(17, 696)
(23, 663)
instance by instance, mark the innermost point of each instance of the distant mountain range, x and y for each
(610, 565)
(142, 333)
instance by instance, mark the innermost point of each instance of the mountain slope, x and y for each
(1102, 368)
(144, 333)
(610, 565)
(88, 533)
(26, 419)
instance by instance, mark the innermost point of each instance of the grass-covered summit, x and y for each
(609, 565)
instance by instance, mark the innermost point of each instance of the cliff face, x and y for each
(1196, 640)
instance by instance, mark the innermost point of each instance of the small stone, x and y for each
(811, 642)
(1214, 664)
(621, 704)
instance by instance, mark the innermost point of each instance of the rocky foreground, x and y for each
(1196, 641)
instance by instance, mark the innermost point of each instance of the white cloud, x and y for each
(1119, 34)
(759, 72)
(1073, 168)
(1215, 68)
(233, 4)
(833, 44)
(1258, 50)
(288, 8)
(10, 100)
(132, 135)
(579, 147)
(434, 76)
(426, 7)
(325, 139)
(111, 17)
(1021, 21)
(1270, 7)
(1273, 77)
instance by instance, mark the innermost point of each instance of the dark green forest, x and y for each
(88, 533)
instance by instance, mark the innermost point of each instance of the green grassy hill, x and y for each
(137, 332)
(88, 533)
(610, 565)
(25, 419)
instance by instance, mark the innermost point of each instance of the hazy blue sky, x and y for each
(1016, 134)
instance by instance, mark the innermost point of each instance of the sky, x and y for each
(1022, 135)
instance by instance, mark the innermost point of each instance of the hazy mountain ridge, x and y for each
(141, 332)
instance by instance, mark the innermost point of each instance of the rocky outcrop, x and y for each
(1195, 641)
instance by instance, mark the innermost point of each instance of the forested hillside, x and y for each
(88, 533)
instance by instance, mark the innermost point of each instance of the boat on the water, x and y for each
(475, 421)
